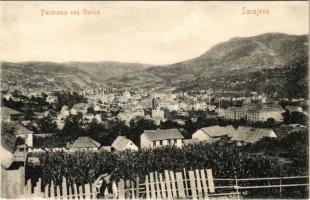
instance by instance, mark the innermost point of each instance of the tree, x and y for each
(299, 118)
(47, 125)
(169, 124)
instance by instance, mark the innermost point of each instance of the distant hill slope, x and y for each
(235, 62)
(108, 69)
(45, 75)
(64, 76)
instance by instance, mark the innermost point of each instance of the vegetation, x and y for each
(268, 158)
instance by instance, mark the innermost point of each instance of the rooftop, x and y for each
(242, 133)
(164, 134)
(85, 142)
(9, 111)
(121, 142)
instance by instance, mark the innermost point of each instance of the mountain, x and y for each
(74, 76)
(233, 65)
(108, 69)
(45, 75)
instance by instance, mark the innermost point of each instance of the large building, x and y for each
(158, 138)
(253, 113)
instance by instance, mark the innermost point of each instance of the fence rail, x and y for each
(195, 184)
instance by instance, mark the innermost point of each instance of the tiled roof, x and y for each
(120, 143)
(218, 131)
(164, 134)
(251, 135)
(85, 142)
(9, 111)
(242, 133)
(21, 130)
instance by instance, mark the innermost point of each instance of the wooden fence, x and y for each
(63, 191)
(194, 184)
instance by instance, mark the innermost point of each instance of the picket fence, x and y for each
(167, 185)
(192, 184)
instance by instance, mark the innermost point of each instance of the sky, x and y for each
(145, 32)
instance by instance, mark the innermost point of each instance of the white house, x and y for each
(121, 143)
(212, 133)
(158, 138)
(26, 134)
(85, 144)
(242, 134)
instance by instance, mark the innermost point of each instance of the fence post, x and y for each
(137, 189)
(121, 189)
(147, 189)
(281, 187)
(237, 187)
(185, 181)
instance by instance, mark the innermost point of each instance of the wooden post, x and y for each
(158, 190)
(46, 191)
(94, 191)
(70, 195)
(192, 184)
(147, 187)
(180, 184)
(281, 187)
(210, 181)
(162, 185)
(87, 191)
(186, 185)
(204, 184)
(167, 180)
(237, 187)
(52, 190)
(80, 192)
(75, 192)
(58, 195)
(64, 188)
(132, 190)
(174, 191)
(121, 189)
(199, 188)
(153, 194)
(137, 189)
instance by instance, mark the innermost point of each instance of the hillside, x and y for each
(45, 75)
(233, 64)
(64, 76)
(108, 69)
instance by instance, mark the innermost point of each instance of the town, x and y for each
(165, 118)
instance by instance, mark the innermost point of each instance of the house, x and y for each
(254, 113)
(157, 138)
(242, 134)
(51, 99)
(8, 114)
(246, 135)
(7, 148)
(12, 167)
(24, 133)
(121, 143)
(85, 144)
(79, 108)
(294, 109)
(212, 133)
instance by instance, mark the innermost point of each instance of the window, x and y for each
(154, 143)
(160, 142)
